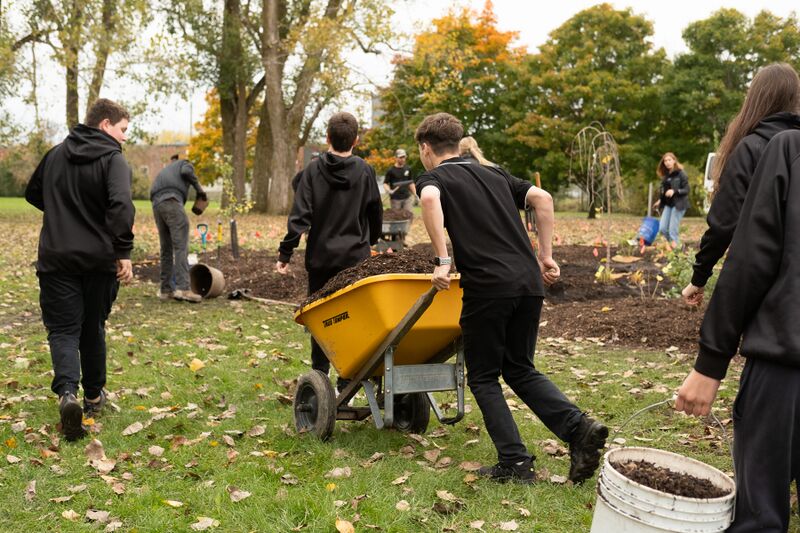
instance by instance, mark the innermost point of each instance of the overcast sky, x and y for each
(533, 20)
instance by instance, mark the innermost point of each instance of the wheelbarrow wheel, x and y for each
(315, 405)
(412, 412)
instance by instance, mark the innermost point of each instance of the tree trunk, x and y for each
(240, 147)
(227, 111)
(261, 162)
(71, 64)
(281, 170)
(102, 51)
(592, 205)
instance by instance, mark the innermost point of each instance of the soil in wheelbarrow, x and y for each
(665, 480)
(408, 261)
(254, 270)
(392, 215)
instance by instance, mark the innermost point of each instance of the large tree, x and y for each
(462, 65)
(705, 86)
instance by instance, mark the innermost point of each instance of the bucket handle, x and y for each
(725, 436)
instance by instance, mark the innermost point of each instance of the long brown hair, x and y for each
(774, 88)
(662, 168)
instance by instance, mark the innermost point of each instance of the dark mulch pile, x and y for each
(254, 270)
(408, 261)
(631, 321)
(666, 480)
(397, 214)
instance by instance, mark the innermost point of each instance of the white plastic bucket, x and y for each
(624, 506)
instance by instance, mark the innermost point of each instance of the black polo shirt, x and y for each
(491, 248)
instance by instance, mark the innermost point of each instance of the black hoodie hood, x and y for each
(774, 124)
(341, 172)
(85, 144)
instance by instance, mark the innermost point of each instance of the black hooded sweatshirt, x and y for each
(337, 202)
(733, 184)
(83, 186)
(756, 297)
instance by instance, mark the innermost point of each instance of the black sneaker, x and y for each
(92, 409)
(585, 449)
(521, 472)
(71, 417)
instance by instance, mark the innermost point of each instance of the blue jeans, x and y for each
(670, 223)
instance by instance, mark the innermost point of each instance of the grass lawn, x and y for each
(210, 433)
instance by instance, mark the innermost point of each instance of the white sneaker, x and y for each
(187, 296)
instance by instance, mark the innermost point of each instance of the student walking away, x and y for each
(83, 188)
(755, 301)
(503, 288)
(338, 204)
(674, 199)
(399, 183)
(771, 106)
(169, 193)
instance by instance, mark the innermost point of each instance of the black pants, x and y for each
(316, 280)
(766, 447)
(499, 339)
(74, 311)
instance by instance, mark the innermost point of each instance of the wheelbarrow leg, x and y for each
(388, 387)
(459, 375)
(372, 400)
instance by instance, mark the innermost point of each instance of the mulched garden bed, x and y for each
(390, 215)
(665, 480)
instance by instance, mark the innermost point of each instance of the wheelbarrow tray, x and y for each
(395, 226)
(350, 324)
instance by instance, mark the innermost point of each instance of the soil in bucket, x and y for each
(391, 215)
(665, 480)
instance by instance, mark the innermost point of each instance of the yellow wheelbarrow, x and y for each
(390, 335)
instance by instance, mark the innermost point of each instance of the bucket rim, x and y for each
(721, 499)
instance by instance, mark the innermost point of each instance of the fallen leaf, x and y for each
(113, 526)
(444, 462)
(558, 480)
(174, 503)
(195, 365)
(343, 526)
(30, 490)
(289, 479)
(77, 488)
(524, 512)
(61, 499)
(470, 466)
(203, 523)
(155, 451)
(103, 466)
(70, 515)
(446, 496)
(237, 495)
(432, 455)
(477, 524)
(330, 487)
(377, 456)
(508, 526)
(97, 516)
(402, 479)
(94, 450)
(338, 473)
(402, 506)
(255, 431)
(18, 426)
(470, 478)
(136, 427)
(12, 459)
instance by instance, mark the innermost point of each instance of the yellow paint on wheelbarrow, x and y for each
(350, 324)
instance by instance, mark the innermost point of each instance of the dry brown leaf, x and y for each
(432, 455)
(418, 438)
(113, 526)
(524, 512)
(402, 479)
(61, 499)
(377, 456)
(558, 480)
(444, 462)
(134, 428)
(30, 490)
(338, 473)
(508, 526)
(77, 488)
(97, 516)
(470, 466)
(174, 503)
(155, 451)
(402, 506)
(237, 495)
(256, 431)
(70, 515)
(12, 459)
(289, 479)
(343, 526)
(477, 524)
(103, 466)
(203, 523)
(94, 450)
(470, 478)
(195, 365)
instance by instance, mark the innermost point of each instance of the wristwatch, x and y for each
(439, 261)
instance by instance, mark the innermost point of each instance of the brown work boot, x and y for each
(187, 296)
